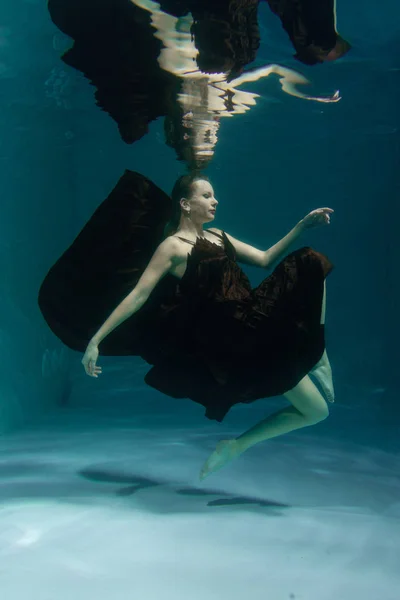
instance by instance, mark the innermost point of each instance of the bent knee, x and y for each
(318, 414)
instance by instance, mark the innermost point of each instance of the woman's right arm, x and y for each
(159, 265)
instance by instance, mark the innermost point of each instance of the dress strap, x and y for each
(193, 243)
(185, 240)
(215, 233)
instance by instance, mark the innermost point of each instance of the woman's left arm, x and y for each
(267, 258)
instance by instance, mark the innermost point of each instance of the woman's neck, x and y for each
(189, 228)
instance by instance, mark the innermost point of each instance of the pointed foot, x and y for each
(225, 451)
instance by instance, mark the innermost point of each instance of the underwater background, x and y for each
(98, 477)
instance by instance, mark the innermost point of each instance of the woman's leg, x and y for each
(323, 310)
(322, 371)
(308, 408)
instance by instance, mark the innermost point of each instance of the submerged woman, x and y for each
(212, 338)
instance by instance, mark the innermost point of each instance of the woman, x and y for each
(216, 340)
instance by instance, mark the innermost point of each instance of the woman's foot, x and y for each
(322, 372)
(225, 451)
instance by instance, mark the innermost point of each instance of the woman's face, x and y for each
(202, 203)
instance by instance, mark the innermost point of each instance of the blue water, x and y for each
(99, 478)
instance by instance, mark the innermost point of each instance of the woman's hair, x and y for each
(182, 189)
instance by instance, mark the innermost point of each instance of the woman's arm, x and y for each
(159, 265)
(267, 258)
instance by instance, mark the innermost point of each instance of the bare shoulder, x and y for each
(216, 231)
(171, 248)
(170, 244)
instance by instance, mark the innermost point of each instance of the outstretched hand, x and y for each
(320, 216)
(89, 360)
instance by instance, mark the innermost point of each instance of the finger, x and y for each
(88, 370)
(323, 210)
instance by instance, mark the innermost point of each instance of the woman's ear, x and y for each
(184, 203)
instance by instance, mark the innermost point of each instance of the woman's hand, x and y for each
(320, 216)
(89, 360)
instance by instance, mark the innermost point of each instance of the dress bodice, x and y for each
(212, 272)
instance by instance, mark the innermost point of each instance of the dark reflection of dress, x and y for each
(311, 27)
(209, 336)
(116, 47)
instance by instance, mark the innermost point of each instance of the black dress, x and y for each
(263, 340)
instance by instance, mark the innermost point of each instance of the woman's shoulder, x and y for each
(170, 244)
(215, 230)
(172, 247)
